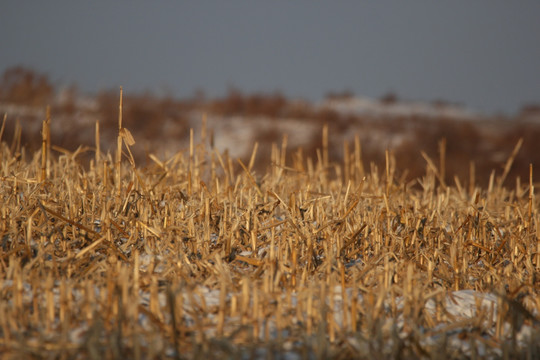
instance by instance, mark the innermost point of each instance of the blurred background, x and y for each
(400, 76)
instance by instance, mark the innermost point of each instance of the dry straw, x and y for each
(194, 256)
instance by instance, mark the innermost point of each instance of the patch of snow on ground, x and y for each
(377, 108)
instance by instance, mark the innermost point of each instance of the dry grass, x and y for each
(195, 257)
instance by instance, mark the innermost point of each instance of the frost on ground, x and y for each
(468, 320)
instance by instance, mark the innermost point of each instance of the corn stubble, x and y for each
(199, 256)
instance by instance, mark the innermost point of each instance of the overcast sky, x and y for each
(482, 54)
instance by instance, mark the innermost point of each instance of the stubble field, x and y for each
(201, 255)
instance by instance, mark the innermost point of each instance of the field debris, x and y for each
(199, 255)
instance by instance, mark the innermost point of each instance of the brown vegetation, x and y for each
(200, 256)
(22, 86)
(473, 148)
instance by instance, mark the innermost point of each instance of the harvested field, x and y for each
(201, 256)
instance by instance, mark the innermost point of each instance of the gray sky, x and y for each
(483, 54)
